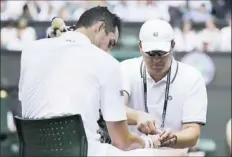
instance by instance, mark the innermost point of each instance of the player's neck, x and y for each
(87, 33)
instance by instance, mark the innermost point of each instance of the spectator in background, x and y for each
(210, 35)
(198, 13)
(226, 38)
(128, 10)
(8, 34)
(186, 40)
(228, 6)
(38, 10)
(122, 9)
(72, 10)
(16, 44)
(47, 14)
(179, 47)
(26, 13)
(63, 13)
(139, 11)
(176, 10)
(4, 15)
(205, 45)
(31, 10)
(25, 33)
(12, 9)
(57, 5)
(112, 4)
(189, 37)
(219, 9)
(155, 9)
(193, 5)
(77, 9)
(96, 3)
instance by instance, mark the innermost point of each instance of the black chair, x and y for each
(58, 136)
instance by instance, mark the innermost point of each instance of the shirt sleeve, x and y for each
(125, 74)
(195, 106)
(22, 71)
(112, 100)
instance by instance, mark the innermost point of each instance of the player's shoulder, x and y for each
(104, 57)
(37, 44)
(131, 67)
(132, 62)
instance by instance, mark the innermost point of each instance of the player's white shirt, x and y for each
(66, 75)
(188, 95)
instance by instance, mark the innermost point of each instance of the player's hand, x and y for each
(156, 141)
(146, 124)
(168, 138)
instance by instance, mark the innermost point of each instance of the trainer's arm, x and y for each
(188, 136)
(194, 114)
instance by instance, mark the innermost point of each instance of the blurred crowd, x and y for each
(181, 14)
(209, 39)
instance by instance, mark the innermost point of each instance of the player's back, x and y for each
(63, 76)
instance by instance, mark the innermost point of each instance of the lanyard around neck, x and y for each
(144, 76)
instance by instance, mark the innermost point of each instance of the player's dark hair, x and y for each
(100, 13)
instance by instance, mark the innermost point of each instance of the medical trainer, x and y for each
(172, 93)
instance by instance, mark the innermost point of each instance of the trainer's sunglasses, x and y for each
(156, 53)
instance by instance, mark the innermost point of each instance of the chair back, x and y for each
(58, 136)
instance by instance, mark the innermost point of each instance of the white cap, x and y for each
(156, 35)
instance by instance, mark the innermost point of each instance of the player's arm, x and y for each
(143, 120)
(122, 138)
(113, 111)
(132, 115)
(126, 75)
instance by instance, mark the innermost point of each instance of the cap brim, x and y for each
(156, 46)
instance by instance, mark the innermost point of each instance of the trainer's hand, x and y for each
(146, 124)
(168, 138)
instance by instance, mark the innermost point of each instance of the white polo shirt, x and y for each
(187, 94)
(69, 75)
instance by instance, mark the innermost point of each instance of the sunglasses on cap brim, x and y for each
(156, 53)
